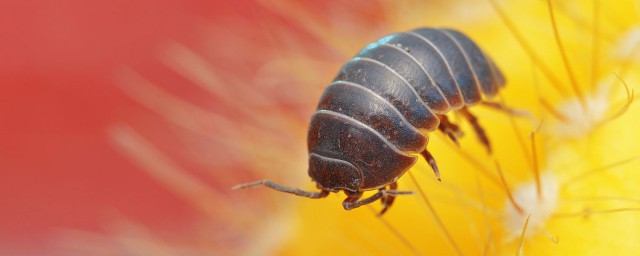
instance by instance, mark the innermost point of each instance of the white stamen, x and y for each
(540, 208)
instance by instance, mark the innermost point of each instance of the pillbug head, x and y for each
(333, 174)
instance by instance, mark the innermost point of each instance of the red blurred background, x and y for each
(60, 97)
(57, 62)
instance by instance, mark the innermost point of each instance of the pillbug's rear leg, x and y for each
(499, 106)
(511, 111)
(450, 129)
(481, 134)
(432, 162)
(388, 199)
(295, 191)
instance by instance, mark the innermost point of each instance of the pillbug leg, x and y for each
(388, 199)
(482, 135)
(432, 162)
(497, 106)
(450, 129)
(295, 191)
(510, 111)
(353, 199)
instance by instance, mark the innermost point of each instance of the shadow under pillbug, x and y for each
(374, 117)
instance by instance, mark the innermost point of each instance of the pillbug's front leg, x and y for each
(353, 199)
(388, 199)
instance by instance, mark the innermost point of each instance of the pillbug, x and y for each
(373, 119)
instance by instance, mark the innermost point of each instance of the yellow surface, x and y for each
(470, 200)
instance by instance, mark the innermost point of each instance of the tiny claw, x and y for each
(487, 146)
(435, 170)
(453, 137)
(384, 209)
(432, 162)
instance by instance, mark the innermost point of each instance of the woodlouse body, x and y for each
(374, 117)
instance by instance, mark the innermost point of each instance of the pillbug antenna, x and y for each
(290, 190)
